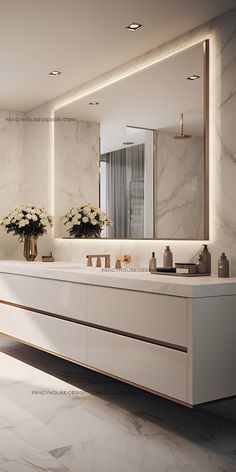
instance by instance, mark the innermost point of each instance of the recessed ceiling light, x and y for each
(193, 77)
(134, 26)
(93, 104)
(128, 143)
(55, 72)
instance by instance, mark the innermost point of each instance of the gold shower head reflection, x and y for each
(181, 134)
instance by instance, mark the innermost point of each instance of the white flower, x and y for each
(22, 216)
(75, 220)
(23, 222)
(69, 224)
(43, 222)
(85, 213)
(86, 210)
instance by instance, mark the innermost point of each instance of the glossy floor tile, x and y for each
(57, 416)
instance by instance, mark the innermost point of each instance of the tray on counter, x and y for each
(179, 274)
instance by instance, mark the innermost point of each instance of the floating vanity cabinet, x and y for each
(172, 337)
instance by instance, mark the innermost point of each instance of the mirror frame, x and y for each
(206, 127)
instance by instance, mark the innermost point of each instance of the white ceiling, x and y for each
(152, 98)
(83, 39)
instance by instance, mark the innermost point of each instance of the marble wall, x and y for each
(12, 186)
(38, 170)
(39, 165)
(76, 165)
(179, 174)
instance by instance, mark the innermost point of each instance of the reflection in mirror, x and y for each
(118, 149)
(123, 181)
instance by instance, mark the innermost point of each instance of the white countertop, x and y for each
(192, 287)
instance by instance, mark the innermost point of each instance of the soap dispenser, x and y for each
(223, 266)
(167, 258)
(153, 263)
(206, 257)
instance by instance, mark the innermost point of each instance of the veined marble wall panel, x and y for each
(39, 165)
(179, 186)
(225, 178)
(12, 181)
(76, 164)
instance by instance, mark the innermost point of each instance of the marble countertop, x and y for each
(192, 287)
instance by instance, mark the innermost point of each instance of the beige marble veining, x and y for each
(180, 187)
(76, 177)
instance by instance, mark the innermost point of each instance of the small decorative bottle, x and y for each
(201, 265)
(223, 266)
(153, 263)
(206, 256)
(167, 258)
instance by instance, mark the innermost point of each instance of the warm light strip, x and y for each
(136, 69)
(213, 156)
(52, 172)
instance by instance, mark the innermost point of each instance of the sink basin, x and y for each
(62, 265)
(70, 266)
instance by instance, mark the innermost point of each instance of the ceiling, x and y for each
(152, 99)
(83, 39)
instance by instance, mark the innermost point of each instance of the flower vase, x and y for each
(30, 247)
(87, 230)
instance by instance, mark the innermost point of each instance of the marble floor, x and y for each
(57, 416)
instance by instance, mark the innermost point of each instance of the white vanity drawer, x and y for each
(155, 316)
(57, 336)
(158, 368)
(54, 296)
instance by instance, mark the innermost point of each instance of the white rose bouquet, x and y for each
(85, 221)
(27, 220)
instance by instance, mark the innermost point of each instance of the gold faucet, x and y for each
(107, 258)
(120, 259)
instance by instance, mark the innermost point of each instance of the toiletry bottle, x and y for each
(167, 257)
(206, 258)
(201, 265)
(223, 266)
(153, 263)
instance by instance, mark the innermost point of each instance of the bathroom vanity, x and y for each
(174, 337)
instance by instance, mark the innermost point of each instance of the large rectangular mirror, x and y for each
(138, 149)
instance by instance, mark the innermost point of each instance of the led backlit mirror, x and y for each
(138, 149)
